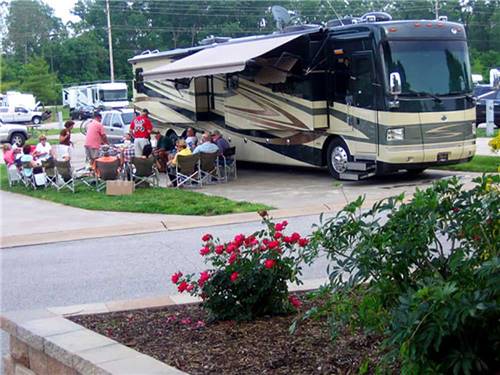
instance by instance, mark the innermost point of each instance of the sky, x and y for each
(62, 9)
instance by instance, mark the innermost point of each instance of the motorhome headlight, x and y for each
(473, 125)
(395, 134)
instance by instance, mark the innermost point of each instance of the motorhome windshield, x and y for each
(429, 67)
(112, 95)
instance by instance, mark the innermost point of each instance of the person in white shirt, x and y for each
(206, 145)
(43, 150)
(191, 138)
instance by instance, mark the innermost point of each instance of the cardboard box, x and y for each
(119, 187)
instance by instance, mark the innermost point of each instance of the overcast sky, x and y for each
(63, 8)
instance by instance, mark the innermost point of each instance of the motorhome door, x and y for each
(361, 101)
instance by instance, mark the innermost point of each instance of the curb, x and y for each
(45, 342)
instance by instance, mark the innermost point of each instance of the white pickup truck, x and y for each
(20, 114)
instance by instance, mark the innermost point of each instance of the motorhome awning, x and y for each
(221, 58)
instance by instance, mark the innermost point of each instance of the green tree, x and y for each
(37, 79)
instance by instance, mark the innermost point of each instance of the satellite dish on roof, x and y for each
(281, 16)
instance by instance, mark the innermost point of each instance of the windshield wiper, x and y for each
(470, 98)
(423, 94)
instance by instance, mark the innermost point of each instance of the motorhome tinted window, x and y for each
(112, 95)
(435, 67)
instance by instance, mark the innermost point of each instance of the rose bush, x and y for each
(248, 275)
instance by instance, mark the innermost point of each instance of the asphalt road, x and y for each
(114, 268)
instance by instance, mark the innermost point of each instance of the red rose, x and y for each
(295, 301)
(204, 276)
(230, 248)
(175, 277)
(182, 287)
(456, 209)
(265, 241)
(206, 237)
(273, 245)
(295, 237)
(269, 263)
(234, 276)
(278, 227)
(238, 239)
(303, 242)
(232, 258)
(190, 287)
(278, 235)
(219, 249)
(204, 251)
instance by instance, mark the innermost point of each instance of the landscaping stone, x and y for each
(19, 351)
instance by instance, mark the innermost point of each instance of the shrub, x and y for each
(425, 272)
(249, 275)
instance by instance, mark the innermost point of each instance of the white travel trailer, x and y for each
(357, 96)
(97, 95)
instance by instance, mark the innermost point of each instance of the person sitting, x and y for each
(220, 142)
(191, 138)
(206, 145)
(147, 152)
(127, 149)
(8, 154)
(43, 150)
(109, 149)
(181, 149)
(163, 147)
(29, 165)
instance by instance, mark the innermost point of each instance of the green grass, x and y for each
(480, 163)
(55, 109)
(146, 200)
(481, 133)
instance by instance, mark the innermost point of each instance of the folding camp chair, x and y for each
(144, 171)
(65, 176)
(229, 163)
(28, 179)
(106, 171)
(209, 168)
(49, 167)
(13, 175)
(187, 170)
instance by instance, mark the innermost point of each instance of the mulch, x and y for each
(181, 337)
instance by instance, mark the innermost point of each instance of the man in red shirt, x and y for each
(141, 128)
(94, 138)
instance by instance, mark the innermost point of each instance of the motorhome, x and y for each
(98, 95)
(361, 96)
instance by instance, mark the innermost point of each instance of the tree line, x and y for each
(40, 53)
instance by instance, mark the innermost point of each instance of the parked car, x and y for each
(22, 114)
(13, 133)
(483, 93)
(82, 113)
(117, 122)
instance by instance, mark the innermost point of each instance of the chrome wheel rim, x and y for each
(17, 140)
(339, 159)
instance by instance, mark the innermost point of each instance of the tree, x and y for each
(37, 79)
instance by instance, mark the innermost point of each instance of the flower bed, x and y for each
(181, 337)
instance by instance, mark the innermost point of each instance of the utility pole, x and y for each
(436, 4)
(110, 43)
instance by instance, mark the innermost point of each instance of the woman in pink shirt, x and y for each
(8, 154)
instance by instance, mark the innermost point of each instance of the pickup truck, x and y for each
(13, 133)
(22, 115)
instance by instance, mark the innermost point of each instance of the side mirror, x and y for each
(395, 83)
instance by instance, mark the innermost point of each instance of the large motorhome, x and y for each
(366, 97)
(97, 95)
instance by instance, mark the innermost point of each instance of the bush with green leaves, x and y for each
(423, 271)
(249, 274)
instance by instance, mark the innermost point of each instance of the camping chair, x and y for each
(144, 171)
(65, 176)
(49, 167)
(229, 163)
(106, 171)
(187, 170)
(13, 175)
(209, 168)
(28, 180)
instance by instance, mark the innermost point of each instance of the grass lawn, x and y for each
(147, 200)
(481, 133)
(55, 109)
(480, 163)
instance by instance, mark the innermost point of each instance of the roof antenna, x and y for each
(281, 16)
(334, 11)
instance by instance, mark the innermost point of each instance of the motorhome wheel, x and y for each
(338, 156)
